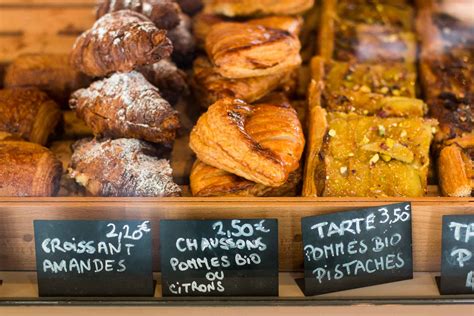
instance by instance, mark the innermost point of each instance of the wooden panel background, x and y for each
(17, 215)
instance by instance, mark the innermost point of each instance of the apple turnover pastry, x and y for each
(28, 113)
(234, 8)
(126, 105)
(210, 86)
(120, 41)
(122, 167)
(50, 73)
(28, 169)
(243, 50)
(207, 181)
(367, 156)
(262, 143)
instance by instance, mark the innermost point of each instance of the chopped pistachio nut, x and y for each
(381, 129)
(365, 89)
(374, 159)
(384, 90)
(365, 140)
(389, 142)
(343, 170)
(332, 133)
(386, 158)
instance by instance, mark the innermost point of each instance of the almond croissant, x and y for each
(243, 50)
(120, 41)
(261, 143)
(126, 105)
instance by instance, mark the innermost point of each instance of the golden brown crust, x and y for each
(164, 13)
(50, 73)
(262, 143)
(28, 113)
(120, 41)
(126, 105)
(28, 169)
(210, 86)
(233, 8)
(122, 167)
(242, 50)
(207, 181)
(455, 172)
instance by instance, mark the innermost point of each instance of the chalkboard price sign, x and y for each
(347, 250)
(457, 262)
(219, 257)
(94, 258)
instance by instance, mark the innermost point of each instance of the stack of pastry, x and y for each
(367, 135)
(250, 140)
(251, 58)
(447, 71)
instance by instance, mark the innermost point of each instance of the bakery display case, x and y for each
(220, 109)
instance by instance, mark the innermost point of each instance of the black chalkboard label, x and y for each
(94, 258)
(457, 261)
(354, 249)
(219, 257)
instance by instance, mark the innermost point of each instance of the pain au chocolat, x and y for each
(126, 105)
(28, 169)
(28, 113)
(120, 41)
(234, 8)
(242, 50)
(262, 143)
(122, 167)
(51, 73)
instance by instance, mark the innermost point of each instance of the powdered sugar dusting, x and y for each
(124, 167)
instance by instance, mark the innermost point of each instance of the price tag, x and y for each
(94, 258)
(457, 260)
(220, 257)
(354, 249)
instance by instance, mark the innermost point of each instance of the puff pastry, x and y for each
(242, 50)
(210, 86)
(233, 8)
(50, 73)
(366, 156)
(164, 13)
(28, 113)
(207, 181)
(120, 41)
(122, 167)
(126, 105)
(168, 78)
(262, 143)
(28, 169)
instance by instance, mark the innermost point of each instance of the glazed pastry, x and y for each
(120, 41)
(50, 73)
(207, 181)
(183, 41)
(28, 169)
(168, 78)
(386, 89)
(367, 31)
(126, 105)
(366, 156)
(203, 23)
(262, 143)
(122, 167)
(210, 86)
(164, 13)
(233, 8)
(456, 167)
(28, 113)
(242, 50)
